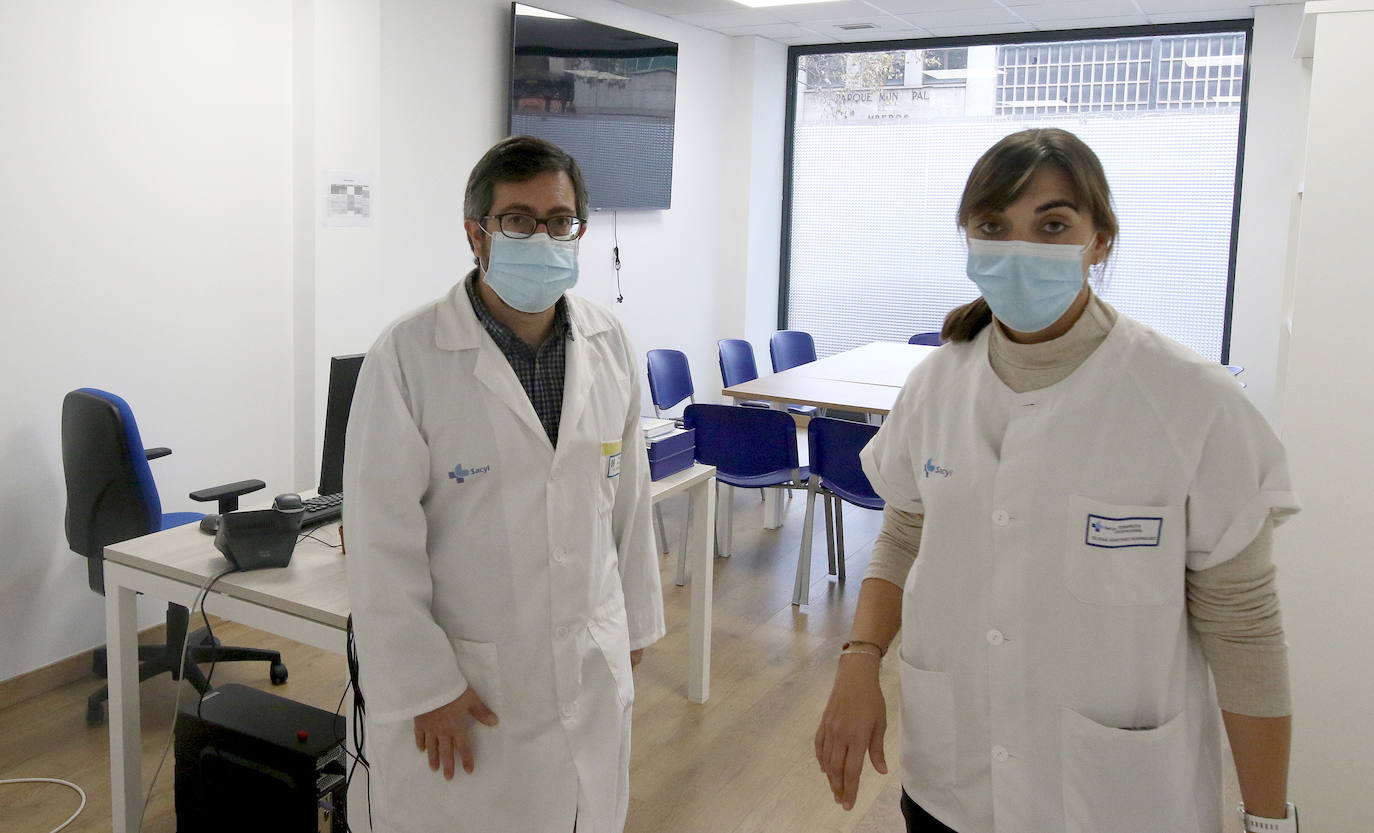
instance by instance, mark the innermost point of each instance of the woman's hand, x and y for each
(854, 722)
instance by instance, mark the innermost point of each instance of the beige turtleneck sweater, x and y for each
(1233, 606)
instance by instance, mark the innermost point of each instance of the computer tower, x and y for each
(255, 761)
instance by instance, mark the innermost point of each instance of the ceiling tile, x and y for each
(1229, 13)
(901, 7)
(1094, 22)
(966, 17)
(1189, 6)
(976, 29)
(882, 27)
(1076, 10)
(822, 11)
(672, 7)
(774, 31)
(717, 20)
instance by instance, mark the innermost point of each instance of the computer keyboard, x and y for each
(322, 508)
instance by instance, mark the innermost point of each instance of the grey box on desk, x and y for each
(671, 453)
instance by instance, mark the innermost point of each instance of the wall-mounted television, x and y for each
(605, 95)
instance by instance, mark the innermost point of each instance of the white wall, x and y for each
(1269, 203)
(1326, 569)
(442, 104)
(146, 229)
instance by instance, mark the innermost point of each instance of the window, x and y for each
(877, 165)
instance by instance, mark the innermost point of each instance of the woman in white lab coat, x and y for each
(486, 563)
(1093, 506)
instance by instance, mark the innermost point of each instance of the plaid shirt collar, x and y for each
(504, 336)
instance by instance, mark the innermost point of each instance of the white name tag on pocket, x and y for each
(611, 451)
(1123, 532)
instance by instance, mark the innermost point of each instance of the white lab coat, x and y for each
(1050, 681)
(479, 555)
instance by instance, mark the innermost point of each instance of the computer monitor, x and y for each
(343, 378)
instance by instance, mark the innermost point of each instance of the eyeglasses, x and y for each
(520, 226)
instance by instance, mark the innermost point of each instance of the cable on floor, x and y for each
(78, 789)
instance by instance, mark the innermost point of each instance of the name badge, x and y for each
(1123, 532)
(611, 451)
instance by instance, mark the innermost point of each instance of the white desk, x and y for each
(307, 602)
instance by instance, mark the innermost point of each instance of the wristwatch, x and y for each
(1260, 824)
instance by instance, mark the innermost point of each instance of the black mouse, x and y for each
(289, 502)
(209, 524)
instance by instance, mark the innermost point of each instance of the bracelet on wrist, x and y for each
(860, 646)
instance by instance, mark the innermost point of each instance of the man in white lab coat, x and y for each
(500, 555)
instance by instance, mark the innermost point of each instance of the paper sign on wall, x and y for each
(348, 199)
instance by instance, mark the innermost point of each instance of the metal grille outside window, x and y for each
(1121, 74)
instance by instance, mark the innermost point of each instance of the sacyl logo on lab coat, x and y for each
(460, 474)
(931, 468)
(1123, 532)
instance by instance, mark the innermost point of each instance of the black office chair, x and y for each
(111, 497)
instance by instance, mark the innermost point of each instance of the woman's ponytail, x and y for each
(963, 323)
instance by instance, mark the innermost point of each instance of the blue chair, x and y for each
(670, 382)
(737, 367)
(834, 446)
(788, 349)
(111, 497)
(928, 339)
(751, 448)
(670, 379)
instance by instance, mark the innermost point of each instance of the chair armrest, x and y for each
(154, 453)
(228, 494)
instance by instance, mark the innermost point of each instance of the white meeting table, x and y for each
(306, 601)
(865, 379)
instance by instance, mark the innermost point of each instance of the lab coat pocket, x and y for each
(478, 661)
(927, 728)
(1118, 554)
(610, 632)
(1135, 781)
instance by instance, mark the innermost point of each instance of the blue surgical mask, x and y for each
(1027, 285)
(532, 273)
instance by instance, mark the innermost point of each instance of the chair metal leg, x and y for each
(829, 531)
(840, 536)
(801, 591)
(725, 526)
(660, 536)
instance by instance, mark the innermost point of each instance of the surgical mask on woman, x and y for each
(1027, 285)
(531, 273)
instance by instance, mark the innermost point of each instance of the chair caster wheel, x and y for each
(95, 714)
(278, 673)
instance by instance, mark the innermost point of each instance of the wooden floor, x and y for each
(739, 763)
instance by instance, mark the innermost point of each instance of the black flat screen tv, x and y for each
(605, 95)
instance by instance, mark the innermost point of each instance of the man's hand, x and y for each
(445, 730)
(636, 657)
(854, 723)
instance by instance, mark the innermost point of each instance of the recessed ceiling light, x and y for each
(763, 4)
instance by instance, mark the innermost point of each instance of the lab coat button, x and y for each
(569, 710)
(560, 632)
(559, 555)
(999, 753)
(995, 637)
(1000, 517)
